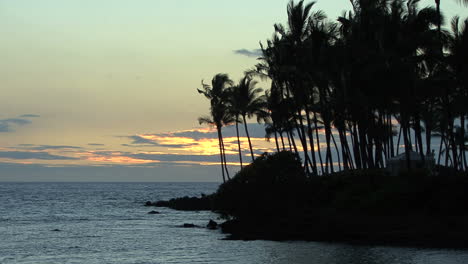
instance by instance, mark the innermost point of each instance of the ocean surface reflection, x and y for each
(106, 223)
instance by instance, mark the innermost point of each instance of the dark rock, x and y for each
(187, 203)
(189, 225)
(162, 204)
(56, 230)
(148, 203)
(212, 224)
(153, 212)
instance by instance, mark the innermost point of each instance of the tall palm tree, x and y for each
(246, 102)
(383, 64)
(219, 114)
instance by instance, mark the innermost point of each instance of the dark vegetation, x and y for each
(357, 206)
(384, 75)
(385, 69)
(272, 198)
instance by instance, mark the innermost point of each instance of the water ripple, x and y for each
(106, 223)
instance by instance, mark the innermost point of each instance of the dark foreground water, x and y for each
(106, 223)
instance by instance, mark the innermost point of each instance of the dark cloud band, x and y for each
(23, 155)
(249, 53)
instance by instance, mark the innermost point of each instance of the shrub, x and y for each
(273, 182)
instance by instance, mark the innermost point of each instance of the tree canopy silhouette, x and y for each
(352, 93)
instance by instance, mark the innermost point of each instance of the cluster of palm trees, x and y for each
(229, 104)
(386, 68)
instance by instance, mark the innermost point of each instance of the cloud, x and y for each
(159, 145)
(249, 53)
(195, 134)
(175, 157)
(141, 140)
(255, 131)
(5, 124)
(46, 147)
(95, 144)
(30, 116)
(19, 155)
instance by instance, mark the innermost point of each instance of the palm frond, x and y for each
(462, 2)
(205, 120)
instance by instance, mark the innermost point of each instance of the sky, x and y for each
(106, 90)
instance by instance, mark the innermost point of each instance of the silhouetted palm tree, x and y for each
(458, 64)
(378, 65)
(236, 114)
(219, 115)
(246, 101)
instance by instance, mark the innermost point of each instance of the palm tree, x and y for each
(235, 113)
(219, 115)
(458, 65)
(437, 2)
(245, 101)
(381, 63)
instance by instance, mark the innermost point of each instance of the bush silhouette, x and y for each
(272, 183)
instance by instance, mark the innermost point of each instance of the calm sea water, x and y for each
(106, 223)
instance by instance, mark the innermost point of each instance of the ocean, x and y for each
(47, 223)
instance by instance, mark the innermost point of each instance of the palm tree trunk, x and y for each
(276, 141)
(311, 140)
(399, 140)
(462, 142)
(318, 141)
(224, 156)
(248, 137)
(238, 141)
(349, 154)
(428, 126)
(390, 131)
(343, 149)
(293, 141)
(452, 144)
(282, 141)
(289, 142)
(419, 134)
(442, 138)
(221, 153)
(302, 136)
(337, 152)
(408, 144)
(356, 146)
(329, 160)
(447, 152)
(363, 146)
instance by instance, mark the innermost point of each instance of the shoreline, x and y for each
(426, 231)
(430, 237)
(273, 199)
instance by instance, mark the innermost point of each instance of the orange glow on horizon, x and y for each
(120, 159)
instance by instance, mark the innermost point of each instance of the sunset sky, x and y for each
(105, 90)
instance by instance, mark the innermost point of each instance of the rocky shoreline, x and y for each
(272, 199)
(413, 231)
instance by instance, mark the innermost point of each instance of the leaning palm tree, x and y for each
(246, 102)
(219, 115)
